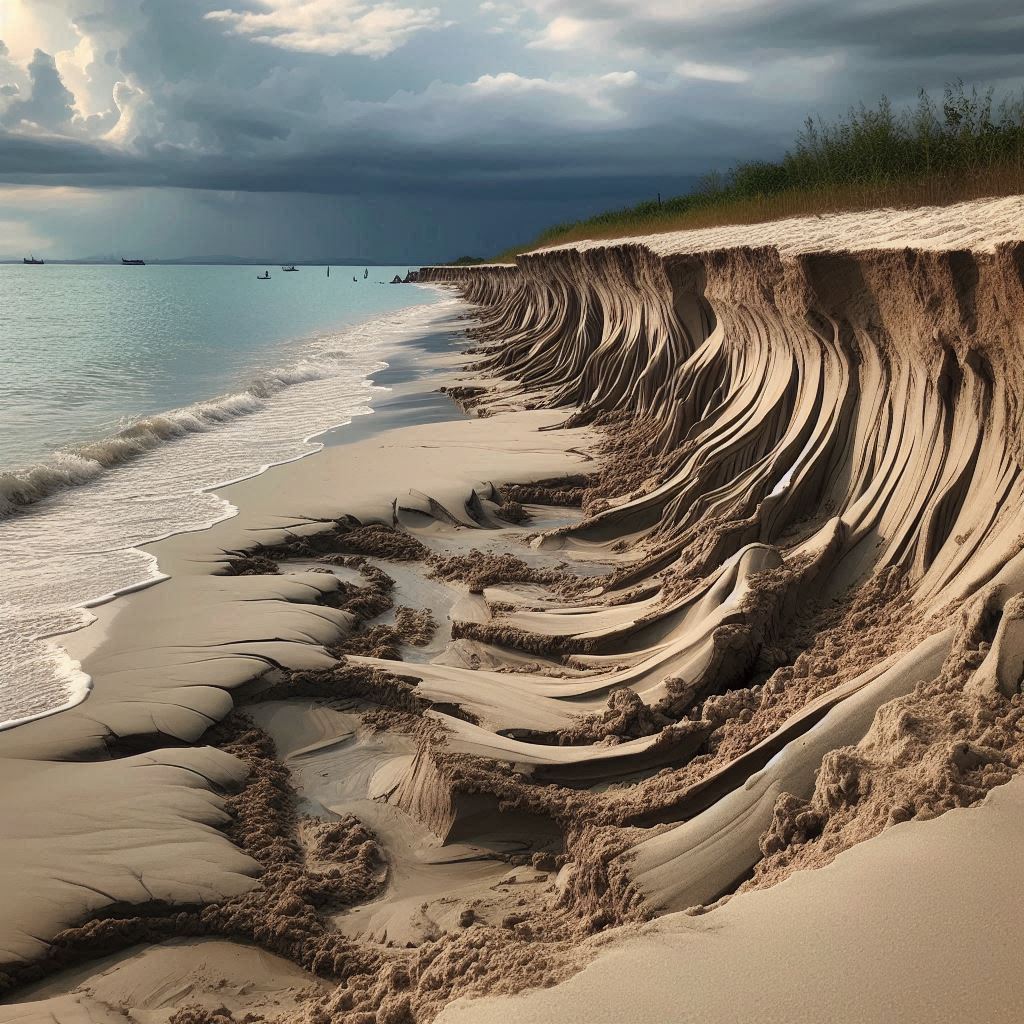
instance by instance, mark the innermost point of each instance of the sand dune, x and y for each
(841, 390)
(708, 609)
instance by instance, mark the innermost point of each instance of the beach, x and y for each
(137, 393)
(651, 651)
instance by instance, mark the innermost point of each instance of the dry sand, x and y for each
(657, 665)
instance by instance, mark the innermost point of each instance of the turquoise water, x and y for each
(84, 347)
(127, 393)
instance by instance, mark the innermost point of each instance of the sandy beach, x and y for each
(652, 652)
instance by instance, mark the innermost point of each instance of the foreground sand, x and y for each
(921, 924)
(490, 735)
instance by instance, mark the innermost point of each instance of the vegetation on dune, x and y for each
(966, 147)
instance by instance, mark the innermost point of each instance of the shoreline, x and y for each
(374, 424)
(361, 425)
(127, 556)
(693, 624)
(81, 734)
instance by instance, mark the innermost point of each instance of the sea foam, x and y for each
(73, 524)
(83, 463)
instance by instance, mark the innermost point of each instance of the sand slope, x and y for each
(922, 924)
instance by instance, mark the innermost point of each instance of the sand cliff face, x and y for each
(771, 606)
(878, 391)
(831, 442)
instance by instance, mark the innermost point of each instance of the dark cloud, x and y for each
(356, 167)
(49, 104)
(944, 28)
(29, 159)
(903, 44)
(544, 105)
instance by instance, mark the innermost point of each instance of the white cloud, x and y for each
(622, 78)
(596, 91)
(331, 26)
(713, 72)
(28, 25)
(507, 16)
(73, 65)
(563, 33)
(135, 115)
(467, 110)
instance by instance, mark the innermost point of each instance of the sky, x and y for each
(422, 130)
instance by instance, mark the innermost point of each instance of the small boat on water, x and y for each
(132, 263)
(32, 261)
(265, 276)
(291, 270)
(366, 274)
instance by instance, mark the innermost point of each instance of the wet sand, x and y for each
(660, 652)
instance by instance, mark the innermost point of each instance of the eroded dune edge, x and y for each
(782, 612)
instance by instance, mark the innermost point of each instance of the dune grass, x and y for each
(932, 154)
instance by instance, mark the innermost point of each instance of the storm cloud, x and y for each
(520, 107)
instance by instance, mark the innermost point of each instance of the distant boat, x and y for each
(366, 274)
(355, 278)
(265, 276)
(132, 263)
(328, 271)
(32, 261)
(291, 270)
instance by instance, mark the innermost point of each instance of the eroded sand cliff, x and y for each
(723, 577)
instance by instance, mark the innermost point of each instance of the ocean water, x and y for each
(126, 393)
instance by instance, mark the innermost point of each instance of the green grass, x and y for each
(966, 147)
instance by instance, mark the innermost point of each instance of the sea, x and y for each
(127, 393)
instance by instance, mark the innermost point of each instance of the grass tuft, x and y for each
(967, 147)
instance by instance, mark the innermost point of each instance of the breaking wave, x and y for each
(83, 463)
(68, 547)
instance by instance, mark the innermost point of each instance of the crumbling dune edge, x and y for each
(786, 617)
(854, 411)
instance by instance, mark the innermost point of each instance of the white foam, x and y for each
(73, 525)
(83, 463)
